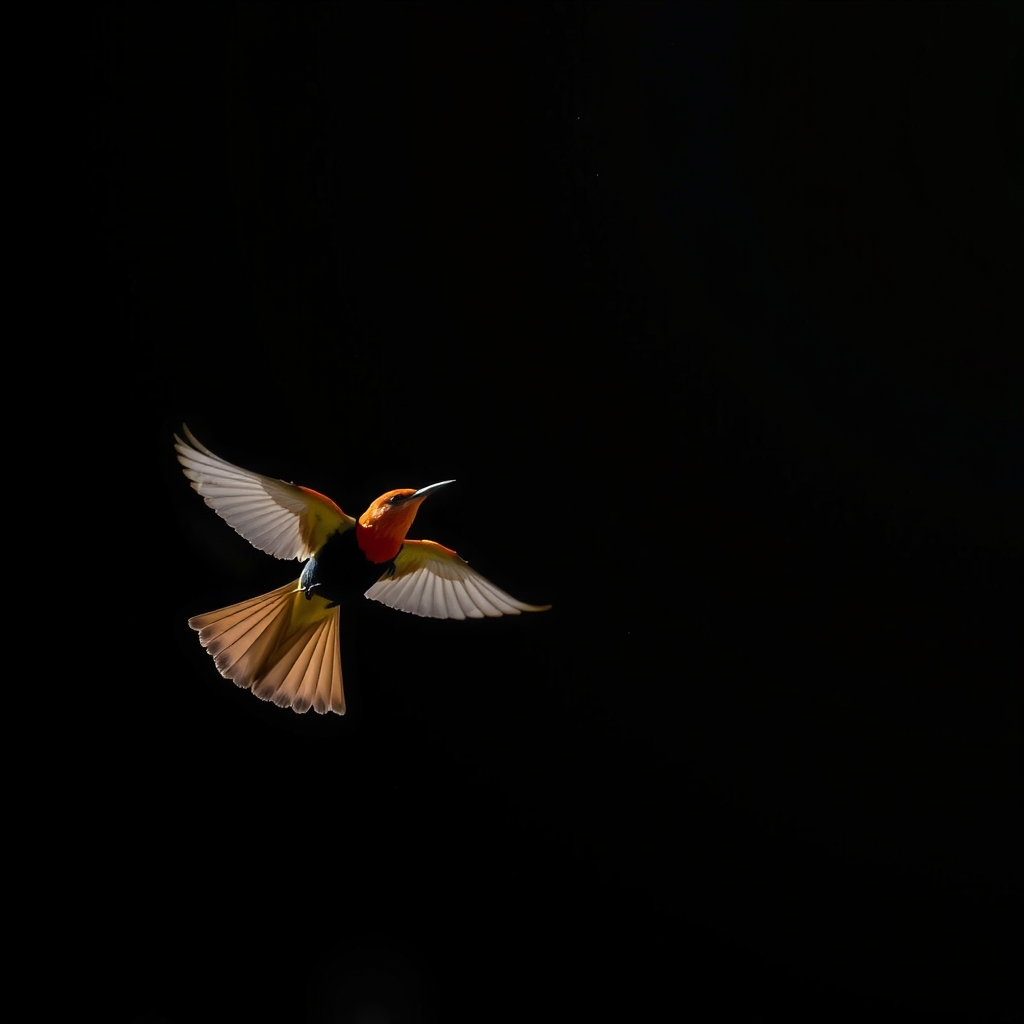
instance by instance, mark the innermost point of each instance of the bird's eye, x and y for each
(396, 499)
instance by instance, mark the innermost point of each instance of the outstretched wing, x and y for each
(432, 580)
(280, 518)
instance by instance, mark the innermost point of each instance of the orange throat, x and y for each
(377, 542)
(382, 527)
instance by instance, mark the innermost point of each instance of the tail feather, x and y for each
(241, 636)
(281, 645)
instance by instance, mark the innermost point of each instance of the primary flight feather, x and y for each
(284, 645)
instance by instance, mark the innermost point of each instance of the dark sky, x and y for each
(713, 312)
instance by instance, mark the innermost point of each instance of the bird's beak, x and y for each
(429, 489)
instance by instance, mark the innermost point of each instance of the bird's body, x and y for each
(284, 645)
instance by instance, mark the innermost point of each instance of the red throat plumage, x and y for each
(381, 529)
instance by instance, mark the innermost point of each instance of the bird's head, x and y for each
(385, 523)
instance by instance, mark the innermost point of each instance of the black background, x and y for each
(713, 312)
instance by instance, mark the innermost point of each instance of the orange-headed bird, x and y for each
(284, 645)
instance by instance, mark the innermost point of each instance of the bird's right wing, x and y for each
(282, 519)
(432, 580)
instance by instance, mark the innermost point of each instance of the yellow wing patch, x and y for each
(277, 517)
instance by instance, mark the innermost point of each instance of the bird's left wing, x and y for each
(432, 580)
(282, 519)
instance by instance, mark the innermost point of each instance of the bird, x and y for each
(284, 645)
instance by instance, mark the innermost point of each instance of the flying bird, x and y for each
(284, 645)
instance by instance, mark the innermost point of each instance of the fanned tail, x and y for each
(281, 645)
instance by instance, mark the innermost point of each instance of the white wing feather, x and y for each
(433, 581)
(277, 517)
